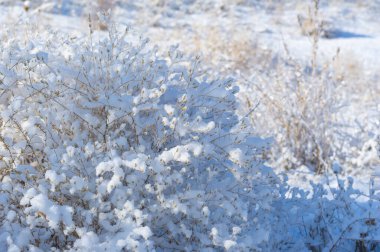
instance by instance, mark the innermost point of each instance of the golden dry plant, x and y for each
(101, 7)
(301, 108)
(229, 48)
(358, 81)
(298, 104)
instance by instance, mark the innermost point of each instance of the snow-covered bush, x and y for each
(108, 146)
(330, 217)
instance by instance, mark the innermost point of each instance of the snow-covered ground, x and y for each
(313, 99)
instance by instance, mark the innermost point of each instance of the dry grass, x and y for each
(297, 104)
(298, 111)
(102, 7)
(229, 48)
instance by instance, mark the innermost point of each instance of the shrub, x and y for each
(299, 106)
(299, 110)
(107, 146)
(330, 217)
